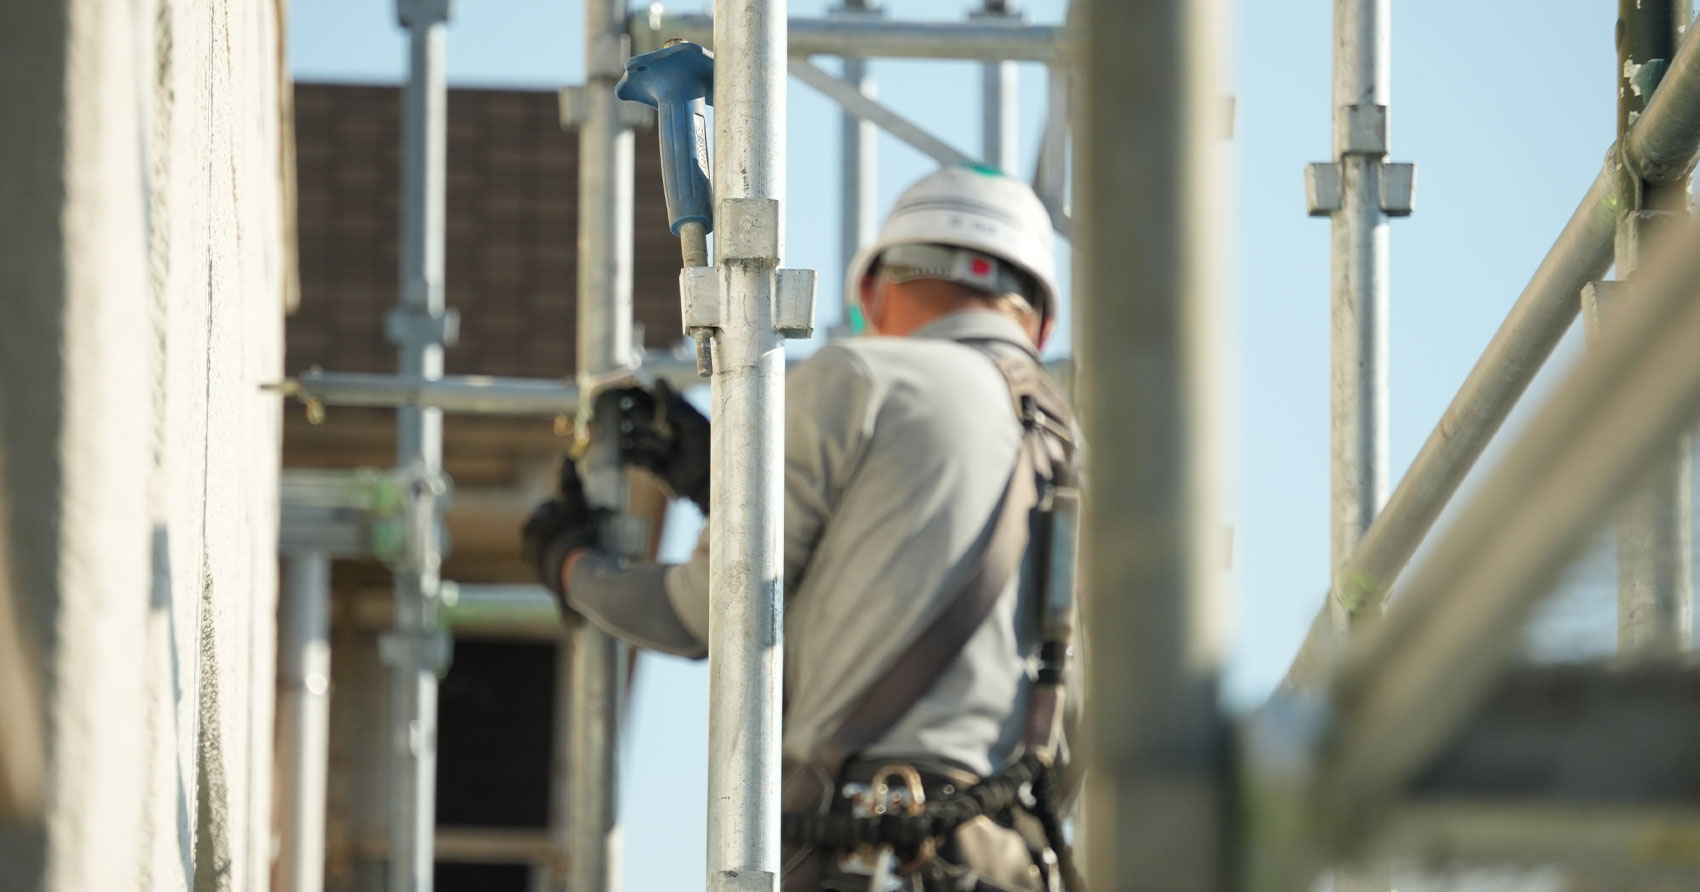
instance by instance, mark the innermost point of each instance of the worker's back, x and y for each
(926, 440)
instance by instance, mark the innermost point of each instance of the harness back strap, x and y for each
(907, 679)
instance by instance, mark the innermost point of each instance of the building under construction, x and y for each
(287, 364)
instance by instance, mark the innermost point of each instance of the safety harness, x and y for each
(1032, 538)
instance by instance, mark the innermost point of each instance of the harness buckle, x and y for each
(875, 799)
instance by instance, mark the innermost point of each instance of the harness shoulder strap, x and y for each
(907, 679)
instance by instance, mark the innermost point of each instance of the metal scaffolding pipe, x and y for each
(584, 801)
(1147, 155)
(461, 394)
(1655, 565)
(303, 717)
(470, 394)
(875, 38)
(1358, 282)
(859, 163)
(496, 606)
(1411, 680)
(1358, 297)
(1000, 113)
(1050, 174)
(1661, 146)
(415, 649)
(854, 102)
(745, 656)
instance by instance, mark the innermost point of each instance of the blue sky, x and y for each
(1507, 109)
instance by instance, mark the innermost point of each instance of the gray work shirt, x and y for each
(897, 451)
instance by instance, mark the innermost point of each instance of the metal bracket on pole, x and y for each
(1323, 195)
(1638, 234)
(1398, 188)
(414, 325)
(794, 302)
(1599, 300)
(749, 233)
(1325, 191)
(423, 12)
(436, 650)
(1364, 127)
(1363, 130)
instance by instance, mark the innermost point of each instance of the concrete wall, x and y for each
(142, 281)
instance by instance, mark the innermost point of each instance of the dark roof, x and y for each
(510, 269)
(511, 240)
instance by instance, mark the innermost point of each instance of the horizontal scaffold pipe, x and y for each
(466, 394)
(1660, 148)
(984, 40)
(485, 395)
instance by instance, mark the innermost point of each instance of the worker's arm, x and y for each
(830, 406)
(629, 601)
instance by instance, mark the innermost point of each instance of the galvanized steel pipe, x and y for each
(1358, 300)
(591, 663)
(1358, 282)
(858, 142)
(472, 394)
(303, 717)
(875, 38)
(856, 103)
(466, 394)
(746, 503)
(1409, 682)
(1000, 112)
(1147, 151)
(1655, 564)
(1662, 147)
(414, 650)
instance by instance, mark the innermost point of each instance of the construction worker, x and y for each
(919, 465)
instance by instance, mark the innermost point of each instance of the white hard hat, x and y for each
(975, 208)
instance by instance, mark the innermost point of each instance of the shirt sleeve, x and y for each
(830, 404)
(631, 601)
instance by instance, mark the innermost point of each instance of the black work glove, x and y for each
(661, 432)
(556, 527)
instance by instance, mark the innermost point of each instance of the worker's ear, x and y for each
(1042, 332)
(873, 303)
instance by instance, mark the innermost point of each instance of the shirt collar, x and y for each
(969, 325)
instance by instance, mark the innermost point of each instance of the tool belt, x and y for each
(826, 829)
(939, 826)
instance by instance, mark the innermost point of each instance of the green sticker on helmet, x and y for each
(983, 169)
(858, 325)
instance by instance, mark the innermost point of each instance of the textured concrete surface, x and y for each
(142, 268)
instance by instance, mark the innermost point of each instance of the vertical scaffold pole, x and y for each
(594, 662)
(1358, 285)
(1000, 128)
(859, 141)
(745, 517)
(304, 710)
(1358, 299)
(1655, 566)
(1148, 165)
(420, 325)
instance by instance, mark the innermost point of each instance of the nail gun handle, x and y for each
(678, 82)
